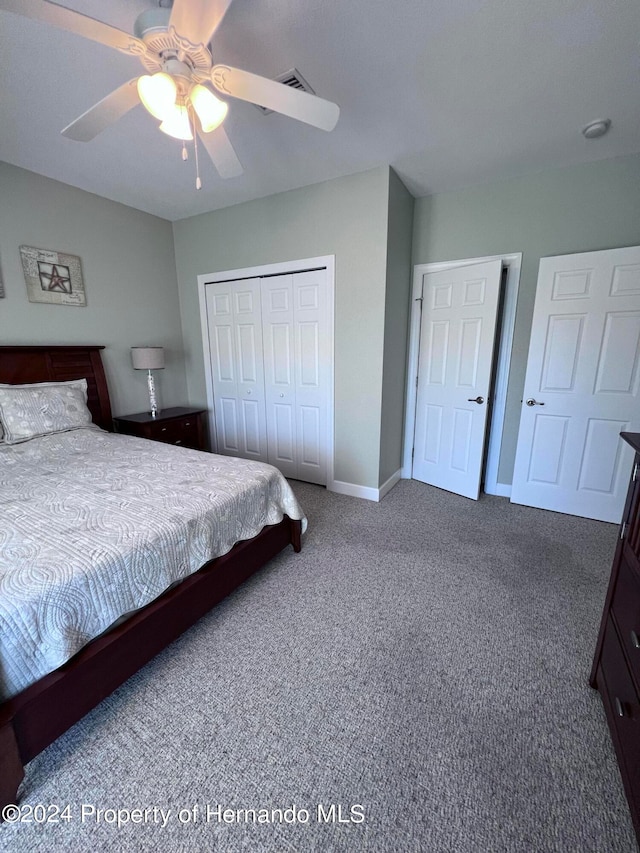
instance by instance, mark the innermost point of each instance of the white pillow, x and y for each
(28, 411)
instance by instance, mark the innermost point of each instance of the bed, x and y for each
(245, 528)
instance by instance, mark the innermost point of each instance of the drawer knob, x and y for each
(635, 640)
(178, 441)
(164, 429)
(619, 707)
(187, 423)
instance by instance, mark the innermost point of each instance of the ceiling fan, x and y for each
(172, 45)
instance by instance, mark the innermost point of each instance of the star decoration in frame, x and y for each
(53, 277)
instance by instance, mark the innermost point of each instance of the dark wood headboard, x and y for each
(24, 364)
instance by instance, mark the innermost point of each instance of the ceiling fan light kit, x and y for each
(177, 124)
(172, 44)
(210, 110)
(157, 93)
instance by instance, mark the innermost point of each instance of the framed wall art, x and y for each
(53, 277)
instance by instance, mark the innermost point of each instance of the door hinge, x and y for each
(623, 530)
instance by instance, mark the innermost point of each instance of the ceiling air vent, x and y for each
(291, 78)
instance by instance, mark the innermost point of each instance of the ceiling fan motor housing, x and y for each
(150, 22)
(152, 26)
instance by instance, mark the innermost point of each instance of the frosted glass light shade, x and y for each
(147, 358)
(176, 123)
(157, 93)
(211, 111)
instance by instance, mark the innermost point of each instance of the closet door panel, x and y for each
(227, 426)
(312, 365)
(235, 332)
(279, 372)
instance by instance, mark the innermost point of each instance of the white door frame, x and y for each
(513, 264)
(326, 261)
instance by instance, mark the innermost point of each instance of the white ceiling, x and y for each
(451, 93)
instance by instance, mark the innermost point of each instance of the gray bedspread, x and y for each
(95, 525)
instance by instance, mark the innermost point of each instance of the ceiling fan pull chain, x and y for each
(185, 153)
(195, 148)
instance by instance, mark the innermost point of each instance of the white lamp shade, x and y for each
(157, 93)
(211, 111)
(147, 358)
(176, 123)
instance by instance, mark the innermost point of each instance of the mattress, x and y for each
(95, 525)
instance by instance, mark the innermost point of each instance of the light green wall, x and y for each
(364, 220)
(583, 208)
(129, 273)
(396, 324)
(347, 218)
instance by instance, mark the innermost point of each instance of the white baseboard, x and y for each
(366, 492)
(389, 484)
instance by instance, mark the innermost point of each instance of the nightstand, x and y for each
(180, 425)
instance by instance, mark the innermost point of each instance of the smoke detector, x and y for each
(596, 129)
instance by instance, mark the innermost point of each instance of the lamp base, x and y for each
(153, 403)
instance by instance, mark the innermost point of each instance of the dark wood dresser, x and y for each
(616, 665)
(179, 425)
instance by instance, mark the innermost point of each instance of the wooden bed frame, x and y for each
(38, 715)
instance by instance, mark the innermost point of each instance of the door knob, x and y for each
(532, 402)
(477, 400)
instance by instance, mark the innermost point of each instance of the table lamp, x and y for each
(149, 359)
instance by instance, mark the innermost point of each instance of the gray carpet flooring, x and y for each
(422, 664)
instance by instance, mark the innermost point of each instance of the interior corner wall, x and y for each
(577, 209)
(128, 267)
(345, 217)
(396, 327)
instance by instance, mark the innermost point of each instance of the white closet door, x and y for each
(312, 373)
(235, 333)
(296, 365)
(279, 372)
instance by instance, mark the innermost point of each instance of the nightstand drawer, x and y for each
(167, 431)
(183, 431)
(625, 610)
(179, 425)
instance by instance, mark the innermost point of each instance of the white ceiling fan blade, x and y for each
(197, 20)
(66, 19)
(221, 152)
(275, 96)
(105, 112)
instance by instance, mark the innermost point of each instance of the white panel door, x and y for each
(296, 365)
(235, 334)
(279, 372)
(457, 337)
(582, 385)
(312, 372)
